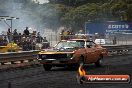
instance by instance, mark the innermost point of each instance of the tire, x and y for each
(47, 67)
(76, 66)
(81, 61)
(99, 62)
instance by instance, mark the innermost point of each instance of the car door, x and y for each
(91, 52)
(96, 51)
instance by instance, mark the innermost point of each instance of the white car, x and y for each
(100, 41)
(103, 41)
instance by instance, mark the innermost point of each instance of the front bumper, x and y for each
(57, 61)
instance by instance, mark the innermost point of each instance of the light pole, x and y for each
(5, 18)
(11, 24)
(11, 19)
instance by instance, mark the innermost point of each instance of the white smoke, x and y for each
(26, 18)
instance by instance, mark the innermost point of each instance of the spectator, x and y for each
(68, 34)
(26, 32)
(65, 34)
(26, 44)
(38, 34)
(72, 35)
(1, 41)
(9, 34)
(19, 39)
(45, 43)
(32, 42)
(15, 32)
(5, 42)
(61, 35)
(45, 40)
(15, 36)
(39, 38)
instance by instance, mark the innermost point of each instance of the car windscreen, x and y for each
(70, 44)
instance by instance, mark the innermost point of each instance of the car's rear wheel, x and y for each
(99, 62)
(47, 67)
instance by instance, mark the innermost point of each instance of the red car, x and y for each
(72, 53)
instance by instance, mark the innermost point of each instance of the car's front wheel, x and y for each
(81, 61)
(47, 67)
(76, 66)
(99, 62)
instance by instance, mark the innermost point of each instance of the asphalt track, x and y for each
(36, 77)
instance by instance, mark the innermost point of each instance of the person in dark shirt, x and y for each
(39, 38)
(9, 34)
(26, 31)
(5, 42)
(46, 44)
(45, 40)
(15, 36)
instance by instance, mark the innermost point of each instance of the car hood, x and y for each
(57, 51)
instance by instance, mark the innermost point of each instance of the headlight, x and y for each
(69, 55)
(38, 57)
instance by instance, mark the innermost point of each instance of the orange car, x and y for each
(72, 53)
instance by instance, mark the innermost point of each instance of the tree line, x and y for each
(74, 13)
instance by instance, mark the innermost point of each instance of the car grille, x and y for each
(53, 56)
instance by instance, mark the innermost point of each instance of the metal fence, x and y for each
(118, 39)
(13, 43)
(27, 43)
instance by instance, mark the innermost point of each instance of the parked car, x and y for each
(103, 41)
(10, 47)
(72, 53)
(100, 41)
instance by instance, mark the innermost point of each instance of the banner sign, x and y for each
(108, 27)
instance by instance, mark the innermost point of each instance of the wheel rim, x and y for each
(101, 61)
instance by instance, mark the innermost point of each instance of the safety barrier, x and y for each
(118, 49)
(18, 59)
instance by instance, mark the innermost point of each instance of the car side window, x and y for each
(90, 44)
(82, 44)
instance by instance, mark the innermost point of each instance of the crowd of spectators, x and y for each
(26, 40)
(66, 34)
(70, 34)
(3, 41)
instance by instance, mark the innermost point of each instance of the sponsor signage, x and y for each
(109, 27)
(107, 78)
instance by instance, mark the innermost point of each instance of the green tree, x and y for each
(122, 10)
(76, 17)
